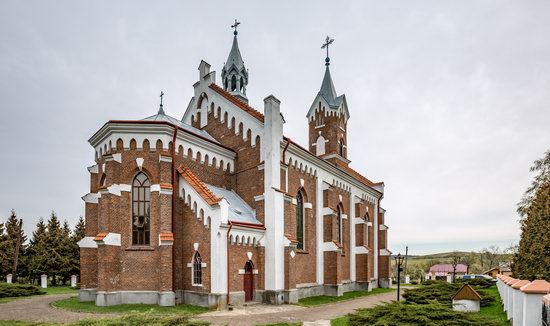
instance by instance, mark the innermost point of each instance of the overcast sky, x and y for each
(449, 100)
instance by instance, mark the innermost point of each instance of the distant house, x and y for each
(466, 299)
(492, 272)
(505, 269)
(440, 271)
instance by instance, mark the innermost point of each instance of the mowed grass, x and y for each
(324, 299)
(47, 291)
(136, 319)
(495, 310)
(340, 321)
(73, 304)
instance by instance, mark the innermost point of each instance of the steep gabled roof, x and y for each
(240, 104)
(199, 186)
(234, 59)
(466, 292)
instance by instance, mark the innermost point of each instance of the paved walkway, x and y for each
(38, 308)
(320, 315)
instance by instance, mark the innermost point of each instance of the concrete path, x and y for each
(38, 308)
(320, 315)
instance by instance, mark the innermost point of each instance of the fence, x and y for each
(526, 303)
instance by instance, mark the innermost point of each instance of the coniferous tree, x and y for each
(53, 242)
(5, 266)
(532, 260)
(77, 235)
(16, 239)
(38, 252)
(66, 250)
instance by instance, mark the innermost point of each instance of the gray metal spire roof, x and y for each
(328, 91)
(234, 58)
(161, 116)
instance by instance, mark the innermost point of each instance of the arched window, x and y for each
(197, 269)
(366, 233)
(339, 225)
(300, 220)
(141, 200)
(341, 147)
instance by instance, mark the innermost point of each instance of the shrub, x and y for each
(414, 282)
(430, 282)
(433, 314)
(442, 293)
(142, 319)
(479, 282)
(18, 290)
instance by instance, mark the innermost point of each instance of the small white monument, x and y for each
(466, 299)
(407, 279)
(43, 281)
(73, 281)
(449, 278)
(8, 278)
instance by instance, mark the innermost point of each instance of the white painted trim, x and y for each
(308, 205)
(111, 239)
(241, 271)
(91, 198)
(384, 252)
(330, 246)
(114, 189)
(259, 197)
(327, 211)
(166, 191)
(319, 186)
(139, 162)
(165, 243)
(155, 187)
(117, 157)
(358, 220)
(344, 216)
(383, 227)
(361, 250)
(125, 188)
(163, 158)
(94, 169)
(87, 242)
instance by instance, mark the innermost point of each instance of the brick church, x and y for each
(220, 207)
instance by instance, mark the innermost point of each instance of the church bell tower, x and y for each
(327, 119)
(234, 73)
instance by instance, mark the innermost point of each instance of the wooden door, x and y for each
(248, 281)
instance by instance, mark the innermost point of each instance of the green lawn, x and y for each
(323, 299)
(495, 309)
(50, 290)
(73, 304)
(340, 321)
(136, 319)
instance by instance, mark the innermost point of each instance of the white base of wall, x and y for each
(104, 299)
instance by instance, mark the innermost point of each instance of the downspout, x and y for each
(228, 272)
(174, 208)
(284, 150)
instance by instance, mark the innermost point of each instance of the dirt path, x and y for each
(320, 315)
(37, 308)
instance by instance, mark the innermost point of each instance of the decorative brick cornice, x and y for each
(240, 104)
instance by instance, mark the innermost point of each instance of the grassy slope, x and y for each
(73, 304)
(50, 290)
(495, 310)
(323, 299)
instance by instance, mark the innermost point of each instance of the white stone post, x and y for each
(43, 281)
(517, 298)
(510, 298)
(533, 294)
(8, 278)
(73, 281)
(449, 278)
(407, 279)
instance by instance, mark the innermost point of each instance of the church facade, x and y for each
(220, 207)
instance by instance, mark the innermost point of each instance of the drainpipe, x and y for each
(174, 208)
(284, 150)
(228, 272)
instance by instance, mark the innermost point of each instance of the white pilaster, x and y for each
(274, 204)
(351, 223)
(375, 233)
(319, 229)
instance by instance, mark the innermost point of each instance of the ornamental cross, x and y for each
(235, 26)
(328, 42)
(161, 95)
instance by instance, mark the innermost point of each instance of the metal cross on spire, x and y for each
(161, 110)
(328, 42)
(235, 27)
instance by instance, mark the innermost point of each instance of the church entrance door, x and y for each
(248, 281)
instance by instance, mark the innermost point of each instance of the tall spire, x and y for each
(234, 73)
(327, 86)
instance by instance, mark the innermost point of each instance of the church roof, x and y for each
(199, 186)
(239, 211)
(328, 91)
(234, 59)
(240, 104)
(161, 116)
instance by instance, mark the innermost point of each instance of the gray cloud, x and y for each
(448, 100)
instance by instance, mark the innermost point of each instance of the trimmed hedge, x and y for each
(433, 314)
(18, 290)
(140, 319)
(442, 293)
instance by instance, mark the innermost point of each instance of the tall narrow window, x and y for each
(341, 147)
(339, 225)
(141, 201)
(197, 269)
(366, 231)
(300, 220)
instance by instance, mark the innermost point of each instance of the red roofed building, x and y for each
(221, 208)
(442, 270)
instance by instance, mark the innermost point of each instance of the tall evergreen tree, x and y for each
(532, 260)
(5, 266)
(77, 235)
(16, 243)
(54, 242)
(38, 253)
